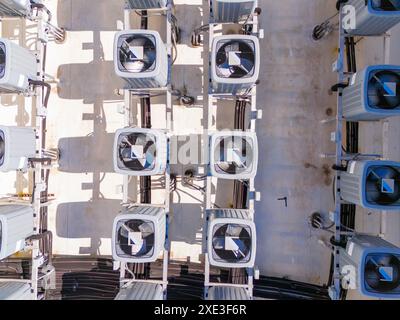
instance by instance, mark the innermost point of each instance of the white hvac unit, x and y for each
(15, 8)
(373, 94)
(16, 225)
(235, 64)
(140, 152)
(17, 66)
(231, 239)
(371, 265)
(228, 293)
(372, 184)
(12, 290)
(374, 17)
(146, 4)
(234, 155)
(139, 234)
(141, 291)
(17, 145)
(141, 59)
(232, 11)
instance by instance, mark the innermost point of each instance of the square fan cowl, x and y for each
(20, 67)
(20, 145)
(251, 172)
(355, 97)
(16, 225)
(353, 184)
(146, 4)
(232, 11)
(15, 8)
(157, 78)
(234, 86)
(352, 261)
(231, 216)
(372, 22)
(155, 215)
(161, 147)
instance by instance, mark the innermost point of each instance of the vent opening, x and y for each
(384, 90)
(382, 185)
(382, 273)
(385, 5)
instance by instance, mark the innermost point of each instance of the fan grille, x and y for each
(232, 243)
(385, 5)
(235, 58)
(137, 151)
(233, 155)
(384, 89)
(382, 273)
(126, 248)
(2, 60)
(383, 185)
(2, 147)
(137, 53)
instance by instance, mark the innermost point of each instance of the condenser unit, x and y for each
(16, 224)
(228, 293)
(373, 94)
(12, 290)
(372, 184)
(140, 152)
(15, 8)
(234, 155)
(235, 64)
(139, 234)
(232, 11)
(141, 59)
(17, 145)
(231, 239)
(17, 66)
(141, 291)
(372, 266)
(146, 4)
(374, 17)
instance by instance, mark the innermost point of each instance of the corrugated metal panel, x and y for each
(232, 11)
(13, 8)
(227, 293)
(141, 291)
(15, 291)
(146, 4)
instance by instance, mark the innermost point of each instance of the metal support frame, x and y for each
(211, 109)
(129, 94)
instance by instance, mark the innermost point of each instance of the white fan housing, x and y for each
(156, 75)
(17, 66)
(16, 225)
(359, 96)
(15, 8)
(225, 251)
(354, 188)
(153, 161)
(17, 145)
(374, 17)
(222, 80)
(146, 4)
(232, 11)
(354, 261)
(141, 291)
(130, 239)
(12, 290)
(239, 150)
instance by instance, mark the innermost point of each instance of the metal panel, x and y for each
(141, 291)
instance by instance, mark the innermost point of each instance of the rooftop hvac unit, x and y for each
(234, 155)
(139, 234)
(373, 94)
(140, 152)
(146, 4)
(141, 59)
(372, 266)
(15, 8)
(231, 239)
(374, 17)
(17, 145)
(16, 224)
(227, 293)
(226, 11)
(17, 66)
(141, 291)
(12, 290)
(372, 184)
(235, 63)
